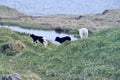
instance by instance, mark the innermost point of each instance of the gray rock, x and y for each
(14, 76)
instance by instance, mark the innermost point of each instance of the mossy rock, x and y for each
(12, 48)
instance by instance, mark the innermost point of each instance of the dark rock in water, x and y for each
(104, 12)
(79, 17)
(61, 30)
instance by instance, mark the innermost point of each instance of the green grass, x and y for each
(94, 58)
(6, 12)
(26, 25)
(38, 26)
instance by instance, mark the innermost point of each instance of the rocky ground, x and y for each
(93, 22)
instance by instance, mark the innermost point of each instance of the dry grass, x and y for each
(93, 22)
(16, 46)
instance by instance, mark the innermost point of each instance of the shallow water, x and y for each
(49, 35)
(49, 7)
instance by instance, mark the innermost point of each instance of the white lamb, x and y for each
(83, 32)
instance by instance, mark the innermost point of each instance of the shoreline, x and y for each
(67, 23)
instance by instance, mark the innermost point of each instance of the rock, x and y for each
(16, 46)
(14, 76)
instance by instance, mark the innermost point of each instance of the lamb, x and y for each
(41, 39)
(83, 32)
(63, 39)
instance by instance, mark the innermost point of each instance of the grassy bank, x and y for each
(65, 23)
(93, 58)
(12, 17)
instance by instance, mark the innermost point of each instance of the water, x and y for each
(50, 7)
(49, 35)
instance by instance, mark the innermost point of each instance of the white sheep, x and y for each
(83, 32)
